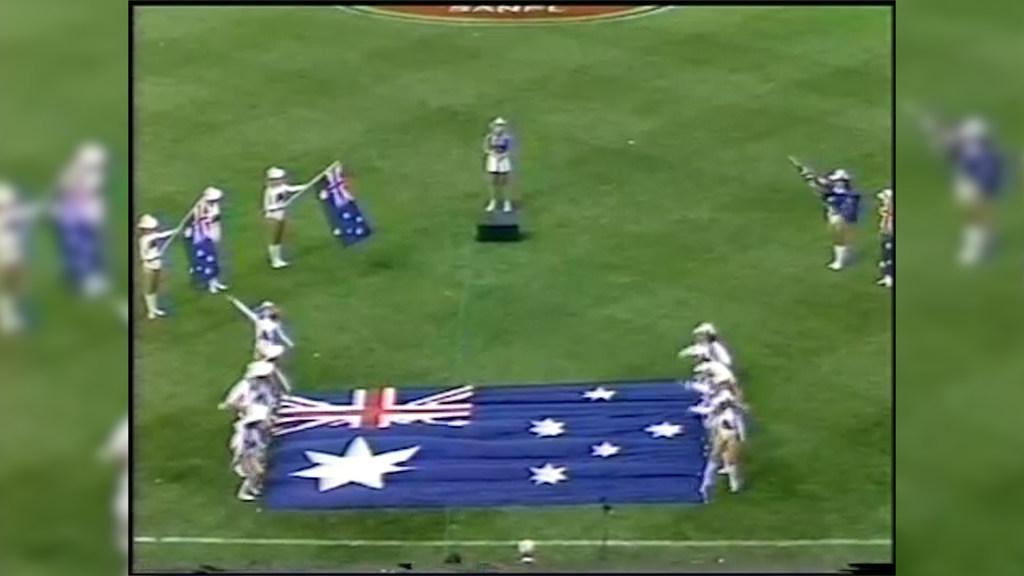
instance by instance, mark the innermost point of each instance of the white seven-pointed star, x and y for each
(664, 430)
(599, 393)
(548, 474)
(547, 427)
(359, 465)
(604, 449)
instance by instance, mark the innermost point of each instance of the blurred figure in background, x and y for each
(79, 212)
(886, 231)
(978, 178)
(118, 451)
(15, 218)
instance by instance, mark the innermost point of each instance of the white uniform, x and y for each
(275, 198)
(713, 350)
(241, 395)
(209, 214)
(498, 153)
(13, 221)
(150, 249)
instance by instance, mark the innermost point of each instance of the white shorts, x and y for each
(499, 165)
(274, 215)
(153, 264)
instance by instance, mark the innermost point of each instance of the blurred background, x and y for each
(63, 278)
(64, 370)
(960, 343)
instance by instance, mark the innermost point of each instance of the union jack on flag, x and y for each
(375, 409)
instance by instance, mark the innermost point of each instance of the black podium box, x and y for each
(498, 226)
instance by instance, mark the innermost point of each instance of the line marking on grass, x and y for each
(494, 543)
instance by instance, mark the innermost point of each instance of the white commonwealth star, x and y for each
(359, 465)
(548, 474)
(337, 231)
(599, 393)
(547, 427)
(604, 449)
(664, 430)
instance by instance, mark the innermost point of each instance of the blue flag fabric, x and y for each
(81, 247)
(344, 218)
(530, 445)
(203, 264)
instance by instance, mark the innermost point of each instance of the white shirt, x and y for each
(149, 245)
(240, 396)
(276, 197)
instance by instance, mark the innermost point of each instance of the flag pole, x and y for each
(309, 184)
(181, 225)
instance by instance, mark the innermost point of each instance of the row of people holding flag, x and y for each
(722, 406)
(202, 230)
(255, 397)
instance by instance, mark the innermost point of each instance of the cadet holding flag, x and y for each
(152, 244)
(842, 208)
(207, 214)
(276, 197)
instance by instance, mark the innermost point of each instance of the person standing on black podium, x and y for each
(497, 151)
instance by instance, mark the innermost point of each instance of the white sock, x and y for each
(9, 317)
(150, 303)
(710, 469)
(840, 253)
(975, 240)
(734, 479)
(275, 252)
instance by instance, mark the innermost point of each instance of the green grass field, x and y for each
(630, 246)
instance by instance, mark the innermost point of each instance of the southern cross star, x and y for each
(604, 449)
(664, 430)
(548, 474)
(359, 465)
(547, 427)
(599, 393)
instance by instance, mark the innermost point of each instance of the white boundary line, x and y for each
(495, 543)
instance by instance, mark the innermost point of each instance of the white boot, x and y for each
(151, 306)
(838, 258)
(886, 281)
(275, 256)
(506, 206)
(491, 205)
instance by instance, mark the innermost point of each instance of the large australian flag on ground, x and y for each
(517, 445)
(344, 218)
(203, 264)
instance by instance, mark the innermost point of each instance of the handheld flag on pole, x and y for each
(344, 217)
(203, 264)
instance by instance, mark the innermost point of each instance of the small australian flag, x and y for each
(344, 218)
(203, 264)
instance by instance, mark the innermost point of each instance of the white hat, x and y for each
(91, 154)
(148, 222)
(499, 121)
(705, 328)
(275, 173)
(839, 174)
(213, 194)
(256, 413)
(884, 194)
(270, 351)
(973, 128)
(258, 369)
(703, 368)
